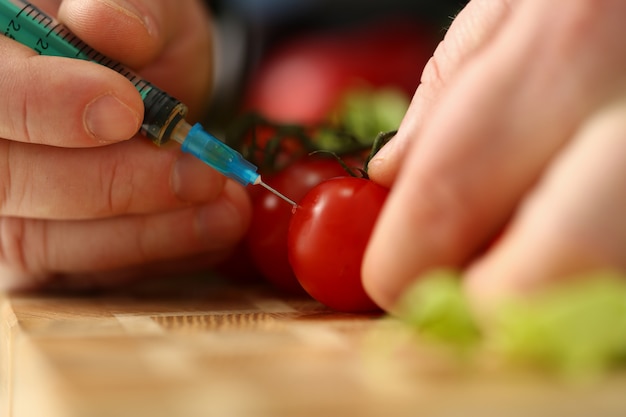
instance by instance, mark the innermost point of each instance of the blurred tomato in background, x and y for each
(302, 79)
(293, 60)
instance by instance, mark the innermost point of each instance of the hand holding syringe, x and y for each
(164, 115)
(74, 209)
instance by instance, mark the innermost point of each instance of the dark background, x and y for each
(247, 30)
(280, 17)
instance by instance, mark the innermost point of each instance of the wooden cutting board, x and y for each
(206, 349)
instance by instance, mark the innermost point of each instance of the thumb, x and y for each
(471, 30)
(63, 102)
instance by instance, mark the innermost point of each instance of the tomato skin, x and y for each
(266, 239)
(328, 234)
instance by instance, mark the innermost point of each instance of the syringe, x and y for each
(164, 116)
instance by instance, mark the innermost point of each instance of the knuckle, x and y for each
(25, 131)
(16, 179)
(469, 32)
(23, 259)
(14, 125)
(17, 96)
(5, 172)
(432, 74)
(20, 121)
(116, 188)
(12, 247)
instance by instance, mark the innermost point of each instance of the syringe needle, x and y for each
(215, 153)
(259, 181)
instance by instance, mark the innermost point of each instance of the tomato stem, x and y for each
(350, 170)
(287, 142)
(381, 140)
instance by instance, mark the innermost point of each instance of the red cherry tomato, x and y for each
(327, 237)
(267, 237)
(303, 79)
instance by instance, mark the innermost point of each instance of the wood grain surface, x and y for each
(206, 349)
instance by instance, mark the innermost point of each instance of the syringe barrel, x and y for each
(25, 23)
(219, 156)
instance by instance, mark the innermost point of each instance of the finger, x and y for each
(48, 6)
(32, 249)
(572, 223)
(473, 28)
(168, 42)
(62, 102)
(141, 28)
(130, 177)
(493, 132)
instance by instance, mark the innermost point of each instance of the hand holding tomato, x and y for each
(520, 124)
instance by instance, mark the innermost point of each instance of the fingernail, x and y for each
(193, 181)
(130, 9)
(109, 120)
(383, 153)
